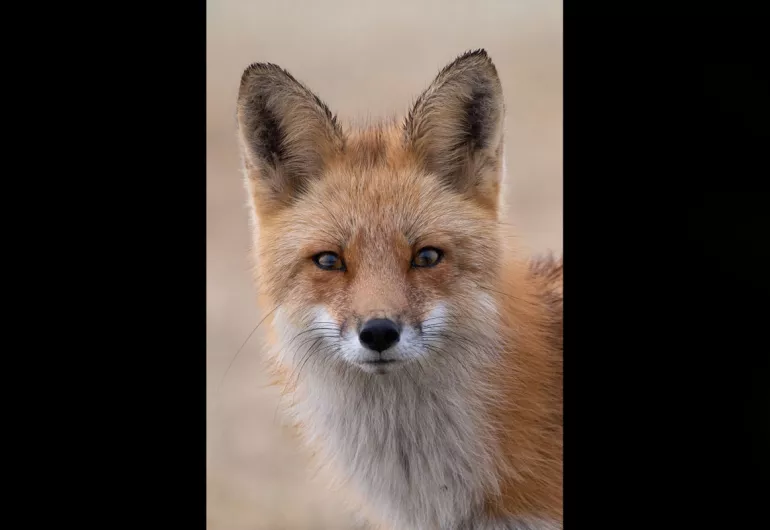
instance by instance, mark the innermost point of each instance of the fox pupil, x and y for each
(427, 257)
(328, 261)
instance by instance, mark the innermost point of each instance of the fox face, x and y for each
(379, 246)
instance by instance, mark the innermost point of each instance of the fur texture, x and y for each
(462, 430)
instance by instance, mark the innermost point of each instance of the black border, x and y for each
(118, 343)
(666, 216)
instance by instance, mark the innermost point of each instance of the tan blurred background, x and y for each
(364, 59)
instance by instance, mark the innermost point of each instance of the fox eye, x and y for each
(329, 261)
(427, 257)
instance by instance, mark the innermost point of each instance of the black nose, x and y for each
(379, 334)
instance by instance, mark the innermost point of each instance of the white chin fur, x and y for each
(413, 446)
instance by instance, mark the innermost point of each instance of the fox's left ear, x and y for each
(455, 128)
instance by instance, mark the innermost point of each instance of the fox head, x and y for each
(381, 246)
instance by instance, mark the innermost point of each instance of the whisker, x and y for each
(219, 387)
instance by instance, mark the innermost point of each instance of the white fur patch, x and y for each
(409, 347)
(413, 442)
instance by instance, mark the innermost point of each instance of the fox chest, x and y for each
(415, 457)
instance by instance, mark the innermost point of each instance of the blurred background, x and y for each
(364, 59)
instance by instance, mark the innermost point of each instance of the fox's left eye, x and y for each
(329, 261)
(427, 257)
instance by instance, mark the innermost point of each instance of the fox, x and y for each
(420, 347)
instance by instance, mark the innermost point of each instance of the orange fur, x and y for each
(376, 195)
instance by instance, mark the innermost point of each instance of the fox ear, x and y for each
(455, 128)
(286, 134)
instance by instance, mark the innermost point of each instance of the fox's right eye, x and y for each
(329, 261)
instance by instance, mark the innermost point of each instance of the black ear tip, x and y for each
(481, 52)
(477, 59)
(478, 54)
(257, 69)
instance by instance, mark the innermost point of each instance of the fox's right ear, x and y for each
(286, 134)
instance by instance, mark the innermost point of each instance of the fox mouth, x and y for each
(378, 366)
(380, 361)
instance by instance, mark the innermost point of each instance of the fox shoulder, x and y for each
(547, 273)
(547, 270)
